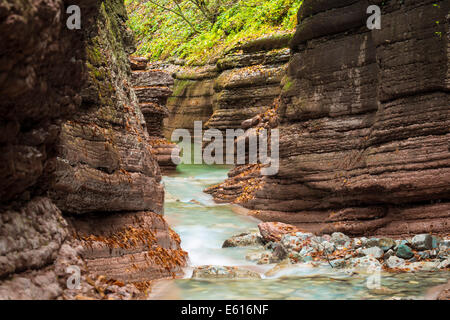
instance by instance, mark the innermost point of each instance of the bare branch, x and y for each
(178, 13)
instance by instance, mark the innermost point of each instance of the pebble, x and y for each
(372, 242)
(328, 247)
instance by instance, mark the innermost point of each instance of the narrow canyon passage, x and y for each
(94, 203)
(204, 225)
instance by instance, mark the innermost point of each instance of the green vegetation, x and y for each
(200, 30)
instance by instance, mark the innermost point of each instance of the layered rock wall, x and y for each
(192, 98)
(79, 180)
(153, 87)
(364, 122)
(238, 86)
(249, 81)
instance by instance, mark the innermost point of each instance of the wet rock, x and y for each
(386, 243)
(279, 267)
(359, 242)
(273, 231)
(255, 256)
(367, 262)
(246, 124)
(444, 252)
(243, 240)
(422, 242)
(328, 247)
(138, 63)
(307, 250)
(279, 253)
(404, 252)
(444, 264)
(433, 253)
(422, 266)
(265, 259)
(435, 242)
(372, 242)
(424, 255)
(445, 243)
(339, 238)
(359, 252)
(338, 263)
(375, 252)
(223, 272)
(395, 262)
(269, 245)
(389, 254)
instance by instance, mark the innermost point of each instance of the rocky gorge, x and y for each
(363, 124)
(90, 190)
(238, 86)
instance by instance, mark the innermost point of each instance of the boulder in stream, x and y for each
(243, 240)
(273, 231)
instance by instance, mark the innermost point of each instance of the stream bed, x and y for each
(203, 226)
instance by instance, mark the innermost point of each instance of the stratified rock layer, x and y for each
(238, 86)
(75, 146)
(365, 123)
(129, 247)
(249, 81)
(36, 95)
(153, 87)
(191, 99)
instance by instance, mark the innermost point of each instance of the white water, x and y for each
(204, 225)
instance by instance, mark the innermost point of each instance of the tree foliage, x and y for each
(200, 30)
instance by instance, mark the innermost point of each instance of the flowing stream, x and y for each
(203, 226)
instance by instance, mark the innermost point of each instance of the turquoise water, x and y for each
(204, 225)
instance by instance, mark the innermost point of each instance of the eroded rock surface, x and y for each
(249, 81)
(191, 99)
(238, 86)
(364, 123)
(153, 87)
(75, 146)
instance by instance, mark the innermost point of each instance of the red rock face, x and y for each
(80, 184)
(35, 94)
(129, 246)
(153, 87)
(364, 123)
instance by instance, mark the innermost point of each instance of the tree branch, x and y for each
(178, 13)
